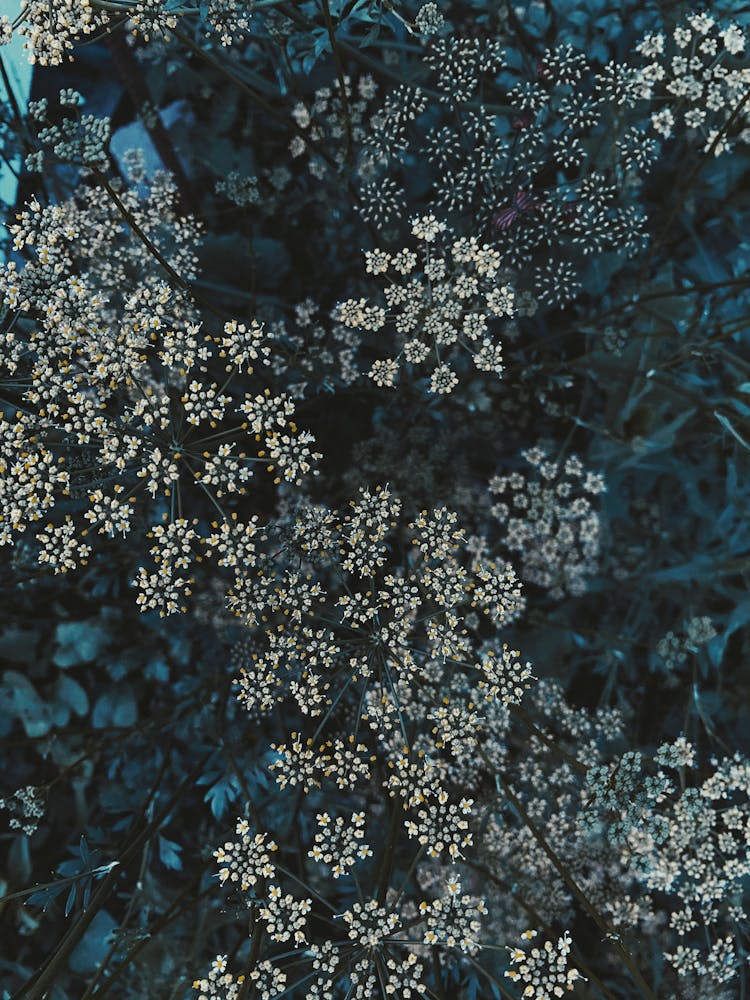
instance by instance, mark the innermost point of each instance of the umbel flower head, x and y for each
(543, 972)
(127, 411)
(353, 616)
(441, 300)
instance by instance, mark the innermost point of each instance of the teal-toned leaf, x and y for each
(169, 854)
(70, 693)
(220, 795)
(92, 949)
(79, 642)
(115, 708)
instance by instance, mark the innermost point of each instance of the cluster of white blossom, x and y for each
(51, 29)
(627, 830)
(546, 777)
(390, 659)
(80, 139)
(451, 789)
(331, 121)
(390, 627)
(372, 932)
(673, 648)
(229, 19)
(543, 972)
(26, 807)
(124, 408)
(247, 861)
(697, 850)
(443, 299)
(549, 518)
(379, 944)
(532, 182)
(429, 19)
(339, 843)
(265, 979)
(695, 78)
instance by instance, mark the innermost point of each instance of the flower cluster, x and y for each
(532, 183)
(334, 118)
(549, 518)
(543, 972)
(454, 919)
(365, 644)
(440, 300)
(26, 807)
(673, 648)
(403, 626)
(339, 843)
(696, 849)
(82, 139)
(515, 214)
(267, 981)
(119, 418)
(248, 861)
(50, 31)
(693, 77)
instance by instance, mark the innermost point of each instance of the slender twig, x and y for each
(257, 935)
(172, 913)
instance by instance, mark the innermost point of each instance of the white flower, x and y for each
(733, 38)
(427, 228)
(663, 122)
(701, 22)
(652, 45)
(429, 20)
(384, 372)
(443, 380)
